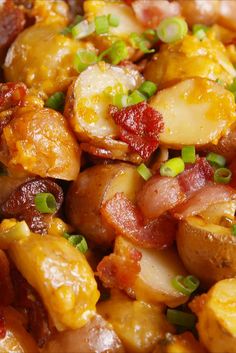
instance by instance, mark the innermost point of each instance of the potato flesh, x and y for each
(90, 117)
(217, 319)
(62, 277)
(139, 325)
(183, 343)
(216, 214)
(195, 112)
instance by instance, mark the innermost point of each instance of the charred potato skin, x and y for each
(206, 254)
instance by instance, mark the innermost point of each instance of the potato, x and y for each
(216, 320)
(190, 58)
(17, 339)
(184, 343)
(158, 268)
(87, 105)
(226, 14)
(38, 141)
(62, 277)
(195, 112)
(49, 11)
(96, 336)
(139, 325)
(203, 11)
(204, 246)
(43, 59)
(219, 213)
(92, 188)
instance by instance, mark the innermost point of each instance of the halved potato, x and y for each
(138, 324)
(87, 105)
(207, 250)
(93, 187)
(188, 58)
(158, 268)
(195, 112)
(217, 317)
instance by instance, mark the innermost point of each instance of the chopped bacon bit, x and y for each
(12, 95)
(2, 325)
(140, 127)
(6, 288)
(230, 41)
(127, 220)
(196, 176)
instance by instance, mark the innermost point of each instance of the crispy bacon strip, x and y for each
(12, 95)
(127, 220)
(140, 127)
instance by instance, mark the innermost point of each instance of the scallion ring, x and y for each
(143, 170)
(120, 100)
(222, 175)
(216, 159)
(136, 97)
(84, 58)
(172, 167)
(172, 29)
(45, 202)
(188, 154)
(101, 24)
(148, 88)
(56, 101)
(180, 318)
(82, 29)
(113, 20)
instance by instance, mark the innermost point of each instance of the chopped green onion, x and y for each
(84, 58)
(82, 29)
(45, 202)
(151, 35)
(136, 97)
(148, 88)
(116, 53)
(120, 100)
(78, 241)
(82, 245)
(191, 282)
(222, 175)
(186, 285)
(233, 230)
(141, 43)
(172, 29)
(101, 24)
(67, 30)
(66, 235)
(216, 159)
(180, 318)
(56, 101)
(144, 171)
(113, 20)
(172, 167)
(188, 154)
(200, 31)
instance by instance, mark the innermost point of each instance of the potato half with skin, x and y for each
(61, 275)
(158, 268)
(39, 141)
(139, 325)
(93, 187)
(43, 59)
(87, 105)
(207, 250)
(217, 317)
(190, 58)
(195, 112)
(96, 336)
(17, 339)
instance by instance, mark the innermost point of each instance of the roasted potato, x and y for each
(216, 317)
(139, 325)
(203, 11)
(184, 343)
(38, 141)
(31, 59)
(87, 105)
(62, 277)
(195, 112)
(93, 187)
(158, 268)
(190, 58)
(17, 339)
(96, 336)
(204, 246)
(49, 11)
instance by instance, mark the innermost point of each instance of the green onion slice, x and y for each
(172, 29)
(144, 171)
(180, 318)
(56, 101)
(200, 31)
(222, 175)
(140, 42)
(233, 229)
(113, 20)
(186, 285)
(172, 167)
(136, 97)
(188, 154)
(101, 24)
(45, 202)
(120, 100)
(82, 245)
(67, 30)
(84, 58)
(78, 241)
(148, 88)
(216, 159)
(116, 53)
(83, 29)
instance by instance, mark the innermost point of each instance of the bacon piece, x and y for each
(6, 289)
(150, 12)
(140, 127)
(12, 95)
(2, 325)
(209, 195)
(127, 220)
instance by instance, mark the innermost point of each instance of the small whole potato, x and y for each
(92, 188)
(38, 141)
(200, 11)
